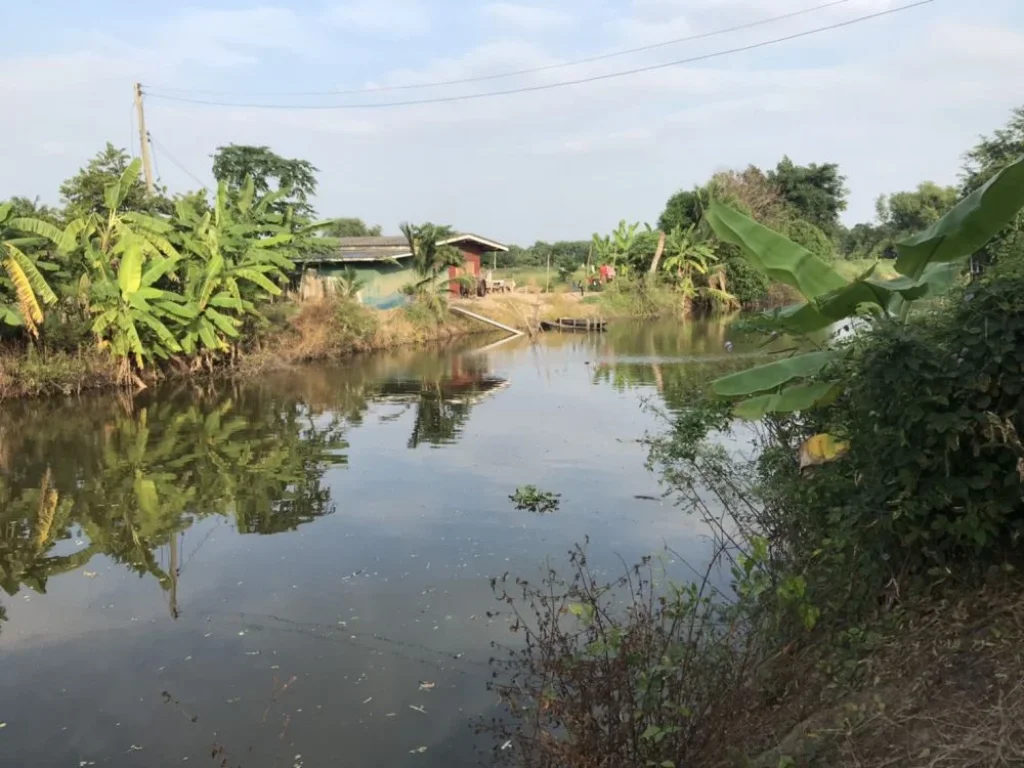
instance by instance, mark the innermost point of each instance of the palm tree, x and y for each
(430, 252)
(430, 255)
(21, 270)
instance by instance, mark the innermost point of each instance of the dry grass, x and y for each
(939, 684)
(33, 372)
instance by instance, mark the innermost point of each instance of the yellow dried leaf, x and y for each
(821, 449)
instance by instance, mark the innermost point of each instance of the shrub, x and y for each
(810, 237)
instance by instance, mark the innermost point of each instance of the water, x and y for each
(296, 570)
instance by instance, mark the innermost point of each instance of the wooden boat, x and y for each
(584, 324)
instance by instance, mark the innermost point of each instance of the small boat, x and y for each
(584, 324)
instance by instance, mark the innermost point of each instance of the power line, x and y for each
(156, 161)
(131, 131)
(563, 84)
(180, 167)
(516, 73)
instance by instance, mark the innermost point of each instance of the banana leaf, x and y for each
(799, 397)
(763, 378)
(773, 254)
(968, 226)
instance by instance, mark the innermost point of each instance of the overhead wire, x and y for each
(519, 72)
(548, 86)
(176, 163)
(156, 161)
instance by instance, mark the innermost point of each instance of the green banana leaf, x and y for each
(764, 378)
(773, 254)
(799, 397)
(968, 226)
(887, 295)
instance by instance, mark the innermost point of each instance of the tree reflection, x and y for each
(125, 481)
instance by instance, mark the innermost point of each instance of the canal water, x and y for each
(294, 571)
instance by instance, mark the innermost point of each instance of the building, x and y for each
(385, 264)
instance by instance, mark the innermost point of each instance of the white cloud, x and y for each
(528, 16)
(890, 106)
(233, 38)
(386, 18)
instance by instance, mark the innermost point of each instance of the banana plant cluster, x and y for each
(158, 287)
(928, 264)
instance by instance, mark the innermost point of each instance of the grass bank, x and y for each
(293, 334)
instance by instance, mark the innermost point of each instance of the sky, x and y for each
(893, 100)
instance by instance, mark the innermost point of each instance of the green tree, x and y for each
(430, 252)
(911, 211)
(684, 209)
(83, 193)
(814, 192)
(269, 171)
(810, 237)
(351, 227)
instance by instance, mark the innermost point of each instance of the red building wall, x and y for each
(472, 254)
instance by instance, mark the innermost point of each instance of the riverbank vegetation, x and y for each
(123, 285)
(862, 606)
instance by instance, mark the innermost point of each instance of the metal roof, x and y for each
(390, 247)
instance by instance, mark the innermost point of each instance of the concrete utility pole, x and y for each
(147, 163)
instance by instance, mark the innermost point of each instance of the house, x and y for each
(384, 264)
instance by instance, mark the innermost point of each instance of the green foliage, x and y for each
(808, 236)
(354, 325)
(351, 227)
(684, 210)
(911, 211)
(928, 263)
(83, 194)
(532, 499)
(814, 192)
(269, 171)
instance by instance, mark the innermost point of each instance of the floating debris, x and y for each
(252, 653)
(134, 748)
(506, 745)
(391, 714)
(421, 710)
(367, 701)
(417, 751)
(89, 574)
(426, 686)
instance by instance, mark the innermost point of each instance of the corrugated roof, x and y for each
(355, 249)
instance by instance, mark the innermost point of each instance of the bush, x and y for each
(749, 285)
(810, 237)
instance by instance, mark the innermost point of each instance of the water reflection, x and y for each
(124, 479)
(675, 359)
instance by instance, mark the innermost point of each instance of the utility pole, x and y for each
(147, 163)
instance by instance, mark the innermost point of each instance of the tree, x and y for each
(993, 153)
(430, 254)
(683, 209)
(351, 227)
(805, 234)
(83, 193)
(815, 192)
(911, 211)
(235, 163)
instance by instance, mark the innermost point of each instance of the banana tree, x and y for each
(238, 254)
(687, 258)
(928, 264)
(130, 263)
(22, 277)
